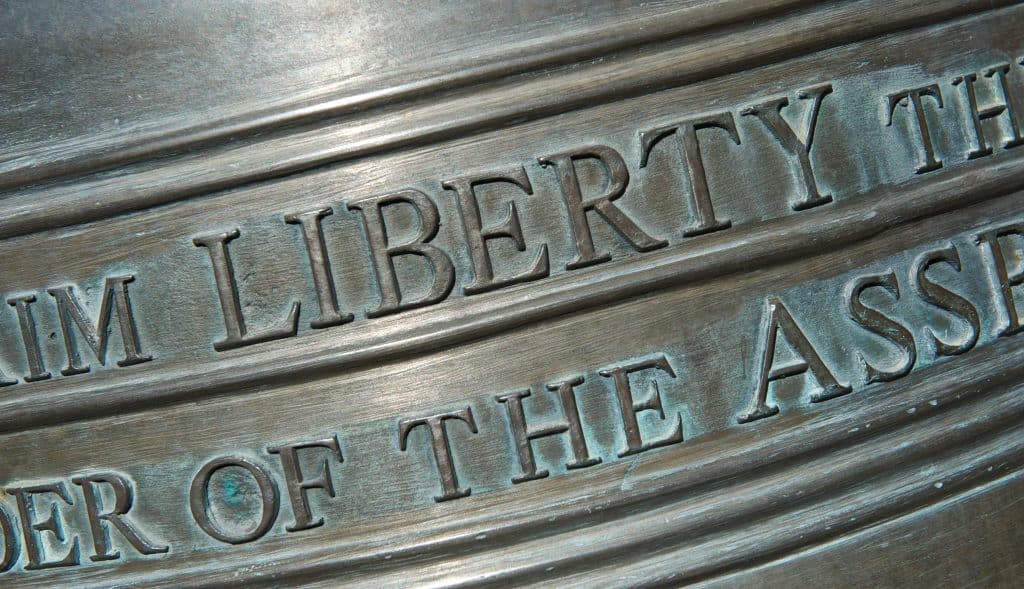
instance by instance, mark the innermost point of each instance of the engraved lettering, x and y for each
(577, 207)
(441, 448)
(689, 146)
(54, 524)
(477, 236)
(1006, 277)
(123, 499)
(629, 407)
(778, 318)
(298, 485)
(945, 299)
(238, 335)
(199, 500)
(29, 338)
(770, 114)
(977, 115)
(912, 100)
(383, 251)
(881, 325)
(524, 436)
(320, 266)
(115, 299)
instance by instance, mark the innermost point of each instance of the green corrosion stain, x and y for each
(232, 494)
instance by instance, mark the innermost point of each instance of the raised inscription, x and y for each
(293, 487)
(411, 269)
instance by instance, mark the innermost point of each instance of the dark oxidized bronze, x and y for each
(716, 293)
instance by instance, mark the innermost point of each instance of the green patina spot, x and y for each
(232, 495)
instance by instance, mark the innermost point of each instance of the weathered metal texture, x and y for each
(716, 293)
